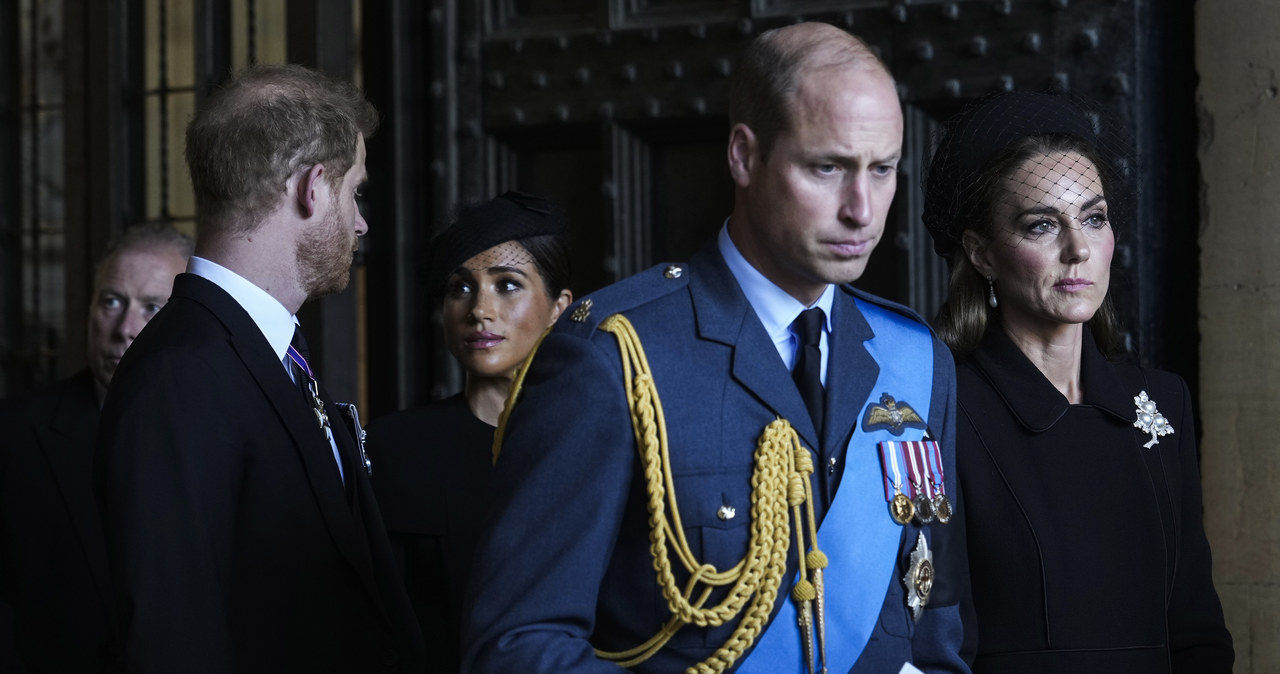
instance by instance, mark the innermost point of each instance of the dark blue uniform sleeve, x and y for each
(939, 643)
(559, 491)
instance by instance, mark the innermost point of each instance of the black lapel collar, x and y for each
(724, 315)
(851, 371)
(1032, 399)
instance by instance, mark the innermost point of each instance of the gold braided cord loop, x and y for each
(780, 482)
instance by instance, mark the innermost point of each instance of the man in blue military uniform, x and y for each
(698, 466)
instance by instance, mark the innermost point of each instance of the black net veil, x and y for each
(491, 232)
(1022, 167)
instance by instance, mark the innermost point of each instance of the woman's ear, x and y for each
(558, 307)
(979, 254)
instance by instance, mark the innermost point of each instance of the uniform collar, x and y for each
(1031, 398)
(775, 307)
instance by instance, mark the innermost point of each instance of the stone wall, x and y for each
(1238, 56)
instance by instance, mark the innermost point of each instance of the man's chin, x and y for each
(330, 286)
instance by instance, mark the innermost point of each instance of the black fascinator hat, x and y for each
(968, 144)
(511, 216)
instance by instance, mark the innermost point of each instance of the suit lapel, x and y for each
(851, 371)
(298, 419)
(724, 315)
(68, 446)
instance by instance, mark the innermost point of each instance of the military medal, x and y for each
(919, 578)
(942, 507)
(312, 388)
(921, 499)
(900, 506)
(317, 405)
(902, 509)
(941, 504)
(1150, 420)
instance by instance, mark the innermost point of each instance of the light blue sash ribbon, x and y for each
(858, 536)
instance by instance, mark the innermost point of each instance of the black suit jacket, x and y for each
(53, 570)
(233, 543)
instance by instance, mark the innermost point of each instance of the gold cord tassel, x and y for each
(804, 593)
(817, 562)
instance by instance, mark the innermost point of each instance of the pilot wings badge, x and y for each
(891, 415)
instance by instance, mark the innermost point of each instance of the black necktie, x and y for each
(301, 357)
(808, 369)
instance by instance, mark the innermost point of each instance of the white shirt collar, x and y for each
(775, 307)
(271, 317)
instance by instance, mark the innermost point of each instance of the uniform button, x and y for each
(673, 271)
(726, 512)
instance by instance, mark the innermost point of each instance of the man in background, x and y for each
(54, 585)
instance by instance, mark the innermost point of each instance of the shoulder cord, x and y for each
(780, 481)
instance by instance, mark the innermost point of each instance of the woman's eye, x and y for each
(1097, 221)
(1041, 227)
(458, 288)
(508, 286)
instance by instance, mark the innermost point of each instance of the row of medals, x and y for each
(922, 508)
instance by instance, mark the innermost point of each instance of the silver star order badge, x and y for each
(919, 578)
(1150, 420)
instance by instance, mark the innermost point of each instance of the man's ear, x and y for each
(308, 184)
(979, 254)
(743, 153)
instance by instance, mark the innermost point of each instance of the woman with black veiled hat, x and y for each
(501, 272)
(1079, 475)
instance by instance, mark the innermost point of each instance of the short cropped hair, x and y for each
(769, 71)
(144, 236)
(265, 124)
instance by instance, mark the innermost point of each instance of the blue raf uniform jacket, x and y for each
(564, 567)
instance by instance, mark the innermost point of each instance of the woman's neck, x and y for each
(486, 397)
(1056, 353)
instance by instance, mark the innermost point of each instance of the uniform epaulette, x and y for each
(584, 316)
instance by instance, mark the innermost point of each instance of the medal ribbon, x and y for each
(299, 361)
(936, 477)
(894, 486)
(916, 459)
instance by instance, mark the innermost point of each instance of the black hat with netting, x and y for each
(478, 228)
(1008, 153)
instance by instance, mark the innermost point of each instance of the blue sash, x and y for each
(858, 536)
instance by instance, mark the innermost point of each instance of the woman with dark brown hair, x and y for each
(501, 273)
(1079, 476)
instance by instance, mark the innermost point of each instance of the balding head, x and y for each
(770, 71)
(264, 125)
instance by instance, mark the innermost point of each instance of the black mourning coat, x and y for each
(54, 586)
(233, 542)
(1086, 549)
